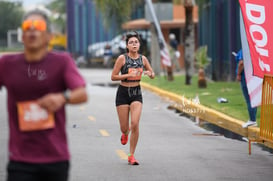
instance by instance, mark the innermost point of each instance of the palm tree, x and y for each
(202, 61)
(58, 8)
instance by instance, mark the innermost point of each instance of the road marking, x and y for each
(122, 154)
(103, 132)
(91, 118)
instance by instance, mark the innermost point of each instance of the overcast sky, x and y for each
(31, 3)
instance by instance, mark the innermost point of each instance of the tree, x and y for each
(189, 41)
(58, 8)
(120, 10)
(11, 16)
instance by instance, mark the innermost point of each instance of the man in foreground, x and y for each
(39, 84)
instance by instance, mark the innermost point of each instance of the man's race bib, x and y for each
(32, 117)
(139, 73)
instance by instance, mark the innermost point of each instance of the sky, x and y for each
(31, 3)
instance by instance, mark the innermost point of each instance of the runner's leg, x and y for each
(135, 108)
(123, 115)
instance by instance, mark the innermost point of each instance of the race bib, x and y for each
(139, 73)
(32, 117)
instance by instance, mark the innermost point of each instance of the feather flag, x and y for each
(256, 36)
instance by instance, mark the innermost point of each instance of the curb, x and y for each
(208, 114)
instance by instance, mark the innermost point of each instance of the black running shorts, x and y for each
(127, 95)
(34, 172)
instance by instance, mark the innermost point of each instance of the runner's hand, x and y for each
(134, 73)
(149, 73)
(52, 102)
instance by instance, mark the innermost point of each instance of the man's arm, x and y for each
(78, 95)
(240, 69)
(54, 101)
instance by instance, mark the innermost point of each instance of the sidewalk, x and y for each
(197, 110)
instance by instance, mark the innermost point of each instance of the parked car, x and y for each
(96, 50)
(118, 45)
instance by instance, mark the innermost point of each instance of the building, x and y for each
(219, 28)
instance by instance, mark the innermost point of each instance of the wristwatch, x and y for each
(67, 95)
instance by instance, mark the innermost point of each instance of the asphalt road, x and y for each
(170, 147)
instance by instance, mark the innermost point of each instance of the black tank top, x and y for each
(131, 64)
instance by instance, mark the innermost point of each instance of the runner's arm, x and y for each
(149, 71)
(54, 101)
(240, 69)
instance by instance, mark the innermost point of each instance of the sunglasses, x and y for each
(39, 25)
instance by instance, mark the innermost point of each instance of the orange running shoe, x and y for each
(124, 139)
(132, 160)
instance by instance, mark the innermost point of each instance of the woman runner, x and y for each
(128, 69)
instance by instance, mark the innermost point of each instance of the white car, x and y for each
(96, 50)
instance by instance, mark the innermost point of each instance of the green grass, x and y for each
(236, 106)
(5, 49)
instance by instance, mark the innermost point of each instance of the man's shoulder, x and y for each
(11, 57)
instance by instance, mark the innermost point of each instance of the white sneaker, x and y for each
(249, 123)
